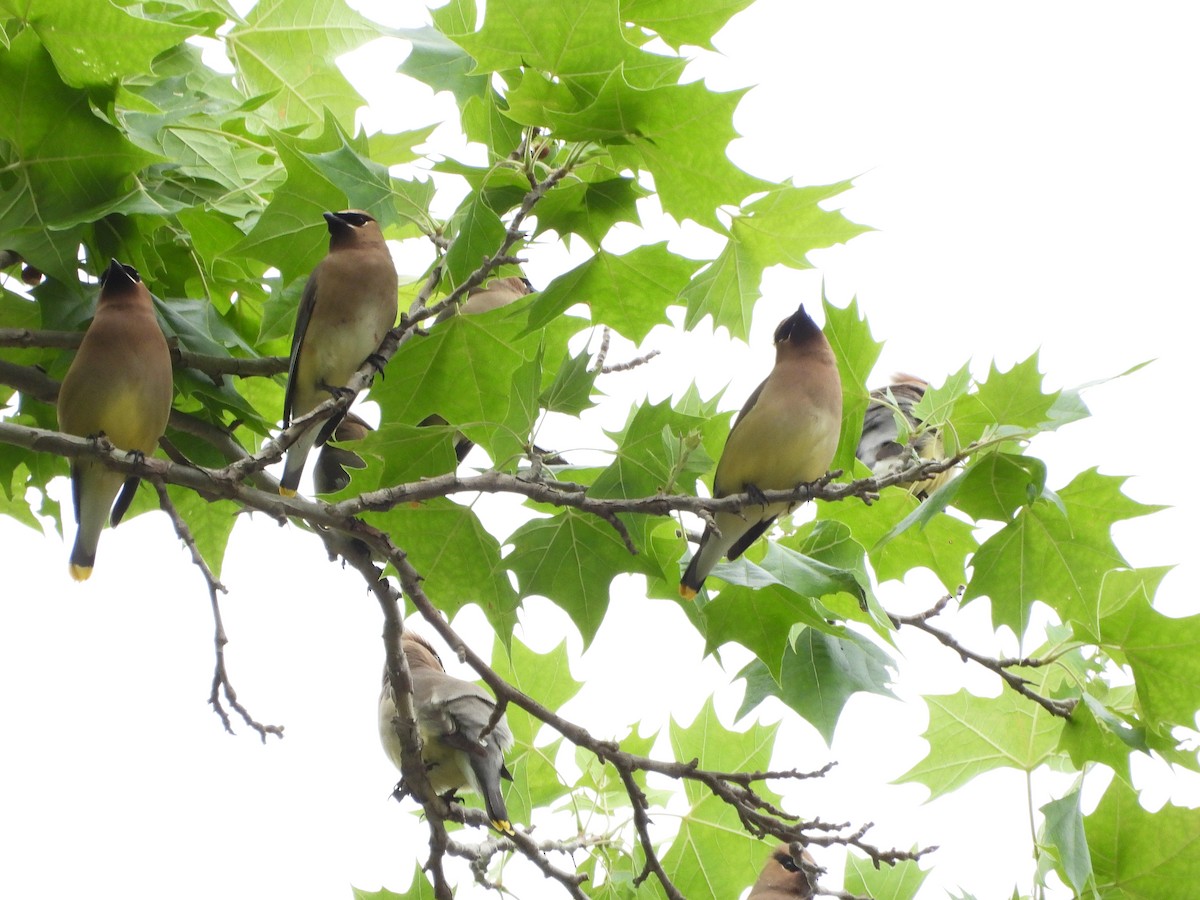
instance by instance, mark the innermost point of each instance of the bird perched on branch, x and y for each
(118, 385)
(880, 449)
(785, 435)
(452, 716)
(349, 304)
(782, 878)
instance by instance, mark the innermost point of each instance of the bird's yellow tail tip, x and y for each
(81, 573)
(286, 492)
(686, 592)
(503, 826)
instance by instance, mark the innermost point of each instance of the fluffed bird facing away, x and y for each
(879, 447)
(329, 473)
(782, 878)
(785, 435)
(451, 715)
(118, 385)
(349, 304)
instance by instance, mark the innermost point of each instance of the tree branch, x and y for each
(220, 682)
(920, 621)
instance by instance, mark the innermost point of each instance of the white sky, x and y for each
(1032, 173)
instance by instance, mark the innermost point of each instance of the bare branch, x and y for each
(631, 364)
(920, 621)
(220, 683)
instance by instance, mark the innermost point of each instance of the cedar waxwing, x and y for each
(488, 296)
(118, 385)
(451, 715)
(329, 474)
(782, 878)
(349, 304)
(785, 435)
(879, 448)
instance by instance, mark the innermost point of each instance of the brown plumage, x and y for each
(879, 447)
(488, 296)
(119, 385)
(349, 304)
(329, 472)
(782, 878)
(785, 435)
(451, 715)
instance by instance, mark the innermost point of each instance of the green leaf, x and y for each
(479, 233)
(65, 165)
(680, 132)
(1054, 552)
(544, 675)
(589, 208)
(571, 391)
(570, 559)
(577, 43)
(1162, 652)
(463, 371)
(856, 351)
(289, 48)
(898, 882)
(95, 44)
(819, 675)
(1137, 855)
(970, 735)
(999, 484)
(458, 558)
(760, 619)
(547, 676)
(484, 121)
(654, 454)
(420, 889)
(406, 452)
(787, 223)
(628, 293)
(942, 545)
(712, 856)
(1063, 834)
(727, 290)
(440, 63)
(1007, 402)
(683, 23)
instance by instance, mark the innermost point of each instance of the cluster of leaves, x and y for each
(125, 144)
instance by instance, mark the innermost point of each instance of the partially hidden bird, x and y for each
(118, 385)
(880, 449)
(782, 877)
(329, 472)
(786, 434)
(493, 294)
(452, 716)
(349, 303)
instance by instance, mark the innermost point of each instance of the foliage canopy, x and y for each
(119, 141)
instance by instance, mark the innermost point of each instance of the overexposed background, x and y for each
(1032, 173)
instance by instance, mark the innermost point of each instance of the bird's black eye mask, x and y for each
(785, 860)
(358, 220)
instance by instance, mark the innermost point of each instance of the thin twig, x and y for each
(920, 621)
(220, 683)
